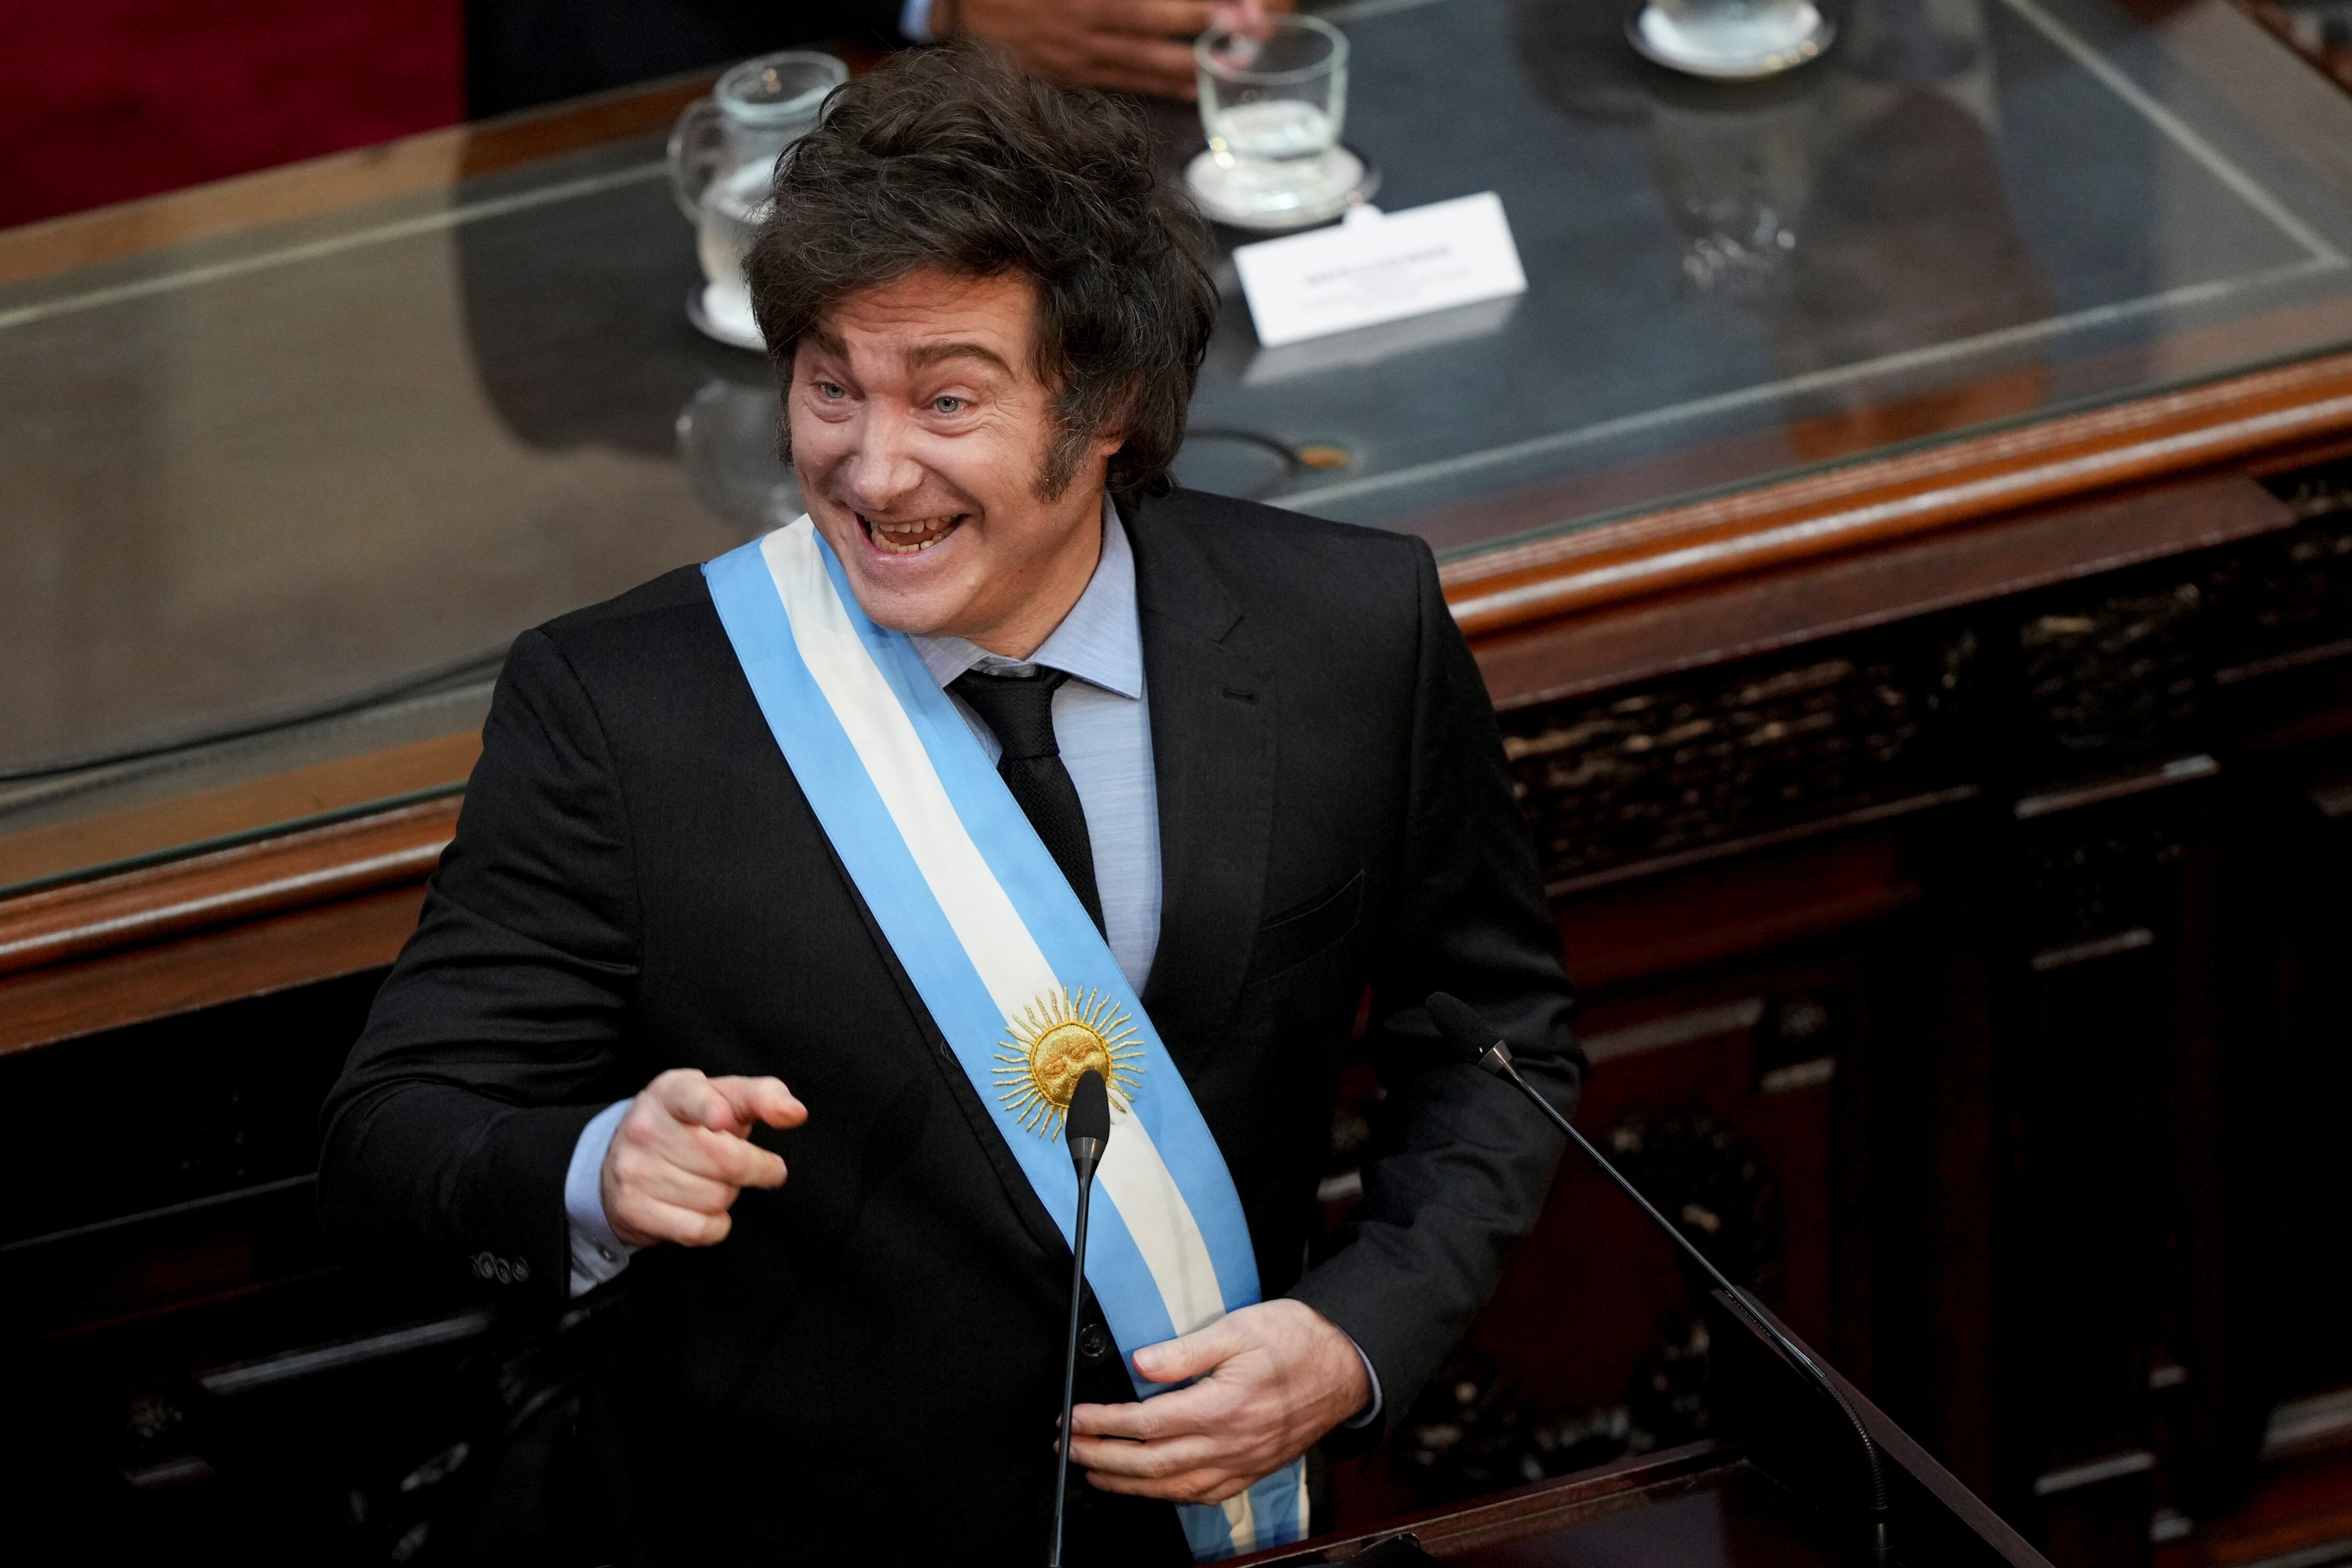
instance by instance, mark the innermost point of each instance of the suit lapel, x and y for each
(1213, 748)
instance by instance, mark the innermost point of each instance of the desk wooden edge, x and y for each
(1882, 502)
(1585, 1491)
(226, 887)
(308, 905)
(299, 946)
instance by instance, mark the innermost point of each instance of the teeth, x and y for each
(911, 537)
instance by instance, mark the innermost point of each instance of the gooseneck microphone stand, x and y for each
(1088, 1129)
(1480, 1044)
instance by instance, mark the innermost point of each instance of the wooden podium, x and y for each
(1785, 1485)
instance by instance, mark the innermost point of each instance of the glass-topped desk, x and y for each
(1968, 211)
(286, 462)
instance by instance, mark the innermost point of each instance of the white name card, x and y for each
(1377, 267)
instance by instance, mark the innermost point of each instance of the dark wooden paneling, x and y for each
(163, 1224)
(2021, 770)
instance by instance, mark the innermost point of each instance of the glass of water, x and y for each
(722, 166)
(1273, 93)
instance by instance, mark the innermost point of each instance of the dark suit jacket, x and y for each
(637, 883)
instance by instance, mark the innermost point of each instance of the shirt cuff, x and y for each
(915, 22)
(1371, 1410)
(597, 1255)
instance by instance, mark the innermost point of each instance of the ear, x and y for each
(1116, 430)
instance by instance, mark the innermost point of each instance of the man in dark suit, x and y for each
(1257, 748)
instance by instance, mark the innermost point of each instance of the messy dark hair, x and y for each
(952, 158)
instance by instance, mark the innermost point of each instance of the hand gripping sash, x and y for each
(1013, 969)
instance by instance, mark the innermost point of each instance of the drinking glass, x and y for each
(1732, 39)
(722, 166)
(1273, 93)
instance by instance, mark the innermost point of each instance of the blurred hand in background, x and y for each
(1137, 46)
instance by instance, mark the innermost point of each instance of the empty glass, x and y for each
(1273, 93)
(722, 165)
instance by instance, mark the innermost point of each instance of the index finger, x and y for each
(1188, 1410)
(762, 1100)
(1140, 63)
(1160, 18)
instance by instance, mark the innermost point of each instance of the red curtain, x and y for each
(102, 100)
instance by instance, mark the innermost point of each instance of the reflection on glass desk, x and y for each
(293, 485)
(1968, 211)
(254, 476)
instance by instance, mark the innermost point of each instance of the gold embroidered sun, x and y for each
(1057, 1038)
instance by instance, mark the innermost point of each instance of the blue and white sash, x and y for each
(1014, 973)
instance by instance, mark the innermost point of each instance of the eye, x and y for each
(831, 391)
(948, 404)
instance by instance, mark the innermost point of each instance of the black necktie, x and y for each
(1019, 709)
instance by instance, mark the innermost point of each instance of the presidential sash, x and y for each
(1010, 966)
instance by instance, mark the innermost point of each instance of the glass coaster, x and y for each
(1735, 42)
(1240, 197)
(724, 318)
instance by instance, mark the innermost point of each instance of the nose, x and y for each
(882, 469)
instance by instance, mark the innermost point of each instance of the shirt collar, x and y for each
(1100, 641)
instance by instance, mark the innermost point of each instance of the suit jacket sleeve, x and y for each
(1469, 1161)
(499, 1033)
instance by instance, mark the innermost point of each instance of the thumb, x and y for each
(1195, 1355)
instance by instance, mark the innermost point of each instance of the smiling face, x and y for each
(920, 434)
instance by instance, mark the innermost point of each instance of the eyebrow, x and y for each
(933, 353)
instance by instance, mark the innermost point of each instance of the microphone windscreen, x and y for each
(1461, 1025)
(1090, 1109)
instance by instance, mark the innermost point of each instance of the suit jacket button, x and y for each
(1093, 1344)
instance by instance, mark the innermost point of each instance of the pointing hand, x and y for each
(684, 1151)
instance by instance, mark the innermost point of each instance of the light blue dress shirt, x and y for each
(1102, 723)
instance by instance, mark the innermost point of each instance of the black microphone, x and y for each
(1479, 1043)
(1088, 1129)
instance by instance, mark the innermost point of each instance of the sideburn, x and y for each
(1062, 457)
(1076, 428)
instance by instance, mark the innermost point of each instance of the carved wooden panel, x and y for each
(2020, 694)
(1727, 754)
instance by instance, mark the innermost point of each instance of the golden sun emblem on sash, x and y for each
(1057, 1038)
